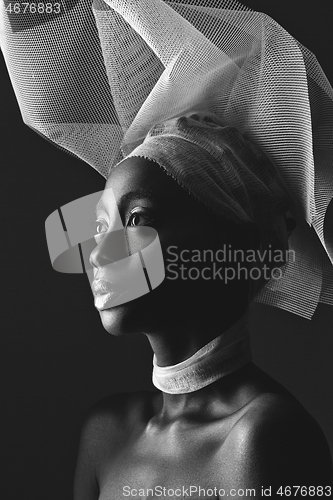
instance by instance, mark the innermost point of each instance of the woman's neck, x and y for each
(215, 401)
(196, 384)
(173, 347)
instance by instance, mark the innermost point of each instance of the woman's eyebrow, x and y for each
(99, 206)
(137, 194)
(126, 198)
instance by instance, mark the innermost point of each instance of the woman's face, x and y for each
(144, 195)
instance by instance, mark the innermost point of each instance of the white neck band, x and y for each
(223, 355)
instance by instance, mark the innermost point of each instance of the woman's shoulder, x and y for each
(274, 407)
(115, 414)
(104, 431)
(277, 412)
(276, 437)
(278, 417)
(102, 435)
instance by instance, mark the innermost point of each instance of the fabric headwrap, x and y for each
(233, 178)
(96, 79)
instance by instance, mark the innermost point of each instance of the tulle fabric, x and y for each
(95, 79)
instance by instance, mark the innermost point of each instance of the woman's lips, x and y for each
(101, 287)
(103, 294)
(104, 301)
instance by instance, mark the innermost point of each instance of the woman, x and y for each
(219, 424)
(194, 76)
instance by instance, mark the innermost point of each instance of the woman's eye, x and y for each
(100, 227)
(137, 218)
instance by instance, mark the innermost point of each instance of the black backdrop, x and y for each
(58, 359)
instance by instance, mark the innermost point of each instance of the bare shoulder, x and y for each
(114, 416)
(277, 442)
(104, 431)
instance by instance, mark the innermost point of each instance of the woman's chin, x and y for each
(119, 320)
(112, 321)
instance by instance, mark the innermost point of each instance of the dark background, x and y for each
(58, 359)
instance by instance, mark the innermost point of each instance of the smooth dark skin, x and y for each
(244, 430)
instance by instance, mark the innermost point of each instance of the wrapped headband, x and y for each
(95, 80)
(238, 183)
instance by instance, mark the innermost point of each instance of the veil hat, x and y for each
(94, 79)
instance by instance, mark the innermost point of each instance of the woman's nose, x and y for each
(111, 248)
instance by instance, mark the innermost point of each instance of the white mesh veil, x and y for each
(95, 79)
